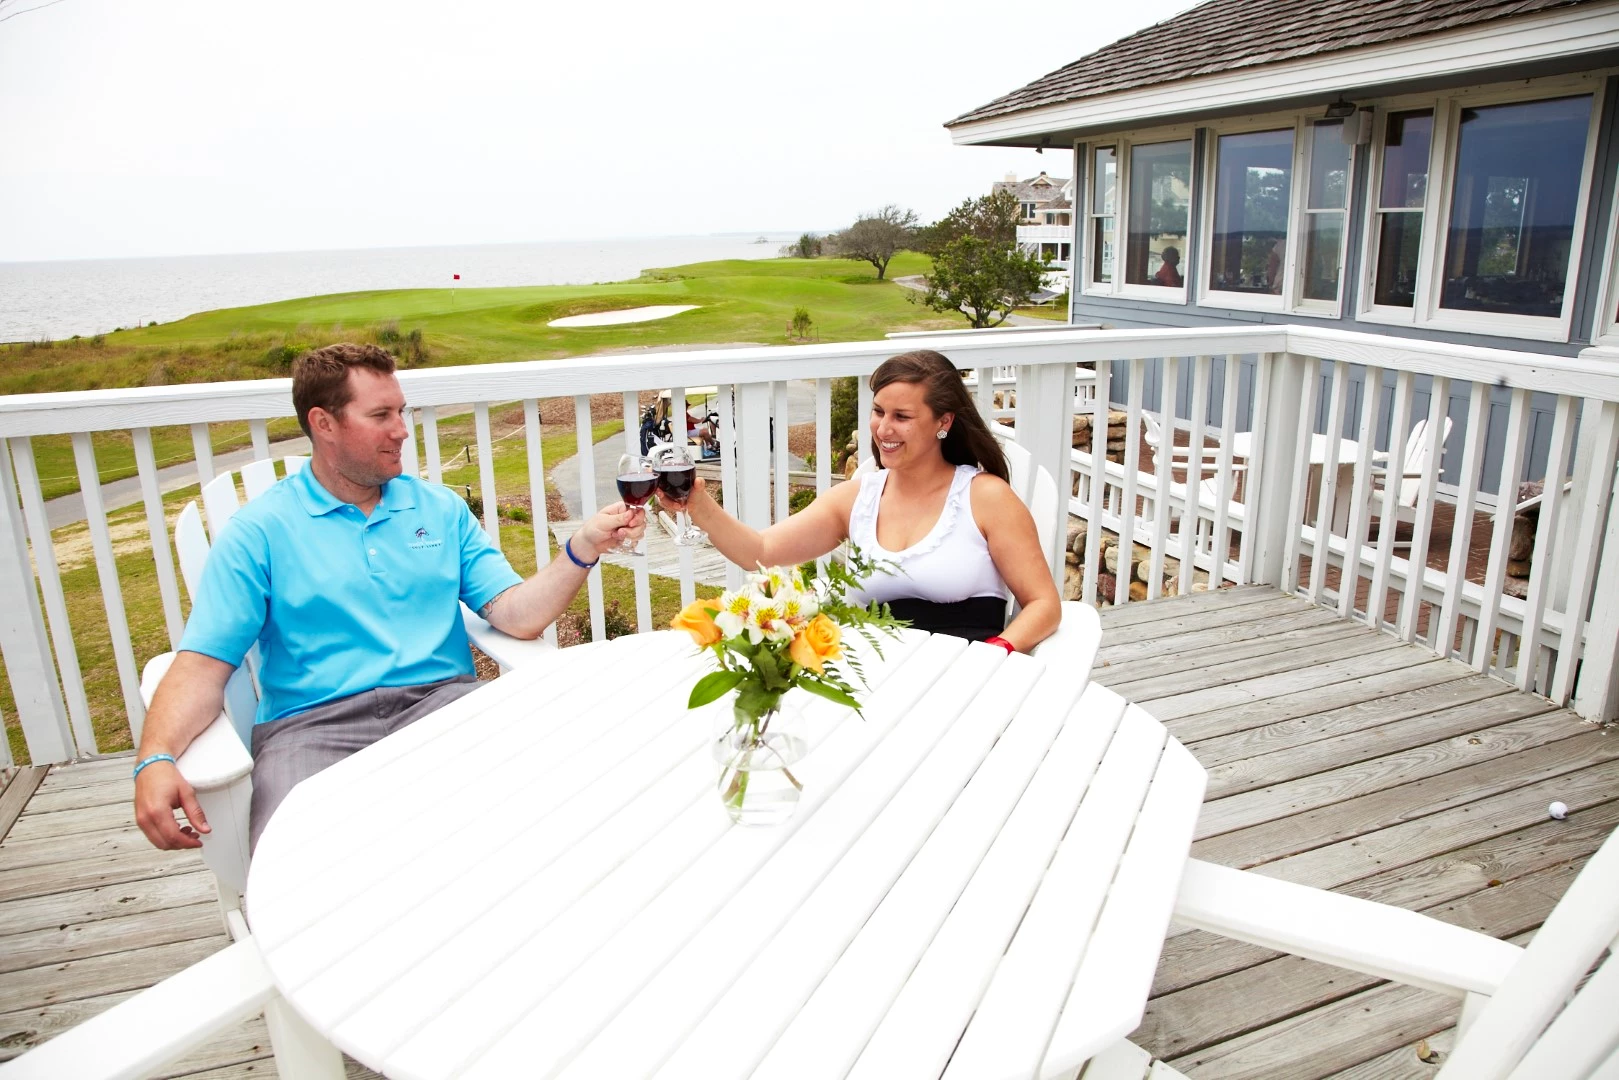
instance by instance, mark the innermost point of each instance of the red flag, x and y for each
(458, 277)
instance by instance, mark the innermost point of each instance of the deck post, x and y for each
(23, 644)
(1596, 695)
(1269, 507)
(1045, 428)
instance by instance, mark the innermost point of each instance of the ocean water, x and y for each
(92, 296)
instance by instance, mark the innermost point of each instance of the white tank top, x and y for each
(950, 563)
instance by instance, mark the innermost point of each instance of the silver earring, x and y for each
(943, 434)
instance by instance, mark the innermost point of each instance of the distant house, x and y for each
(1047, 227)
(1424, 168)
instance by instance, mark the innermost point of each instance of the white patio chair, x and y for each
(1525, 1014)
(218, 764)
(162, 1023)
(1420, 448)
(1208, 490)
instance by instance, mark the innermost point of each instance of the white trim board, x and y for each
(1552, 35)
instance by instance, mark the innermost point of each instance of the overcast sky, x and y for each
(156, 127)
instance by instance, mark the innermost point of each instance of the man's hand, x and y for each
(186, 702)
(607, 528)
(160, 790)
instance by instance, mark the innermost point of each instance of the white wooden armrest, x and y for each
(1075, 641)
(507, 651)
(158, 1025)
(1375, 939)
(216, 758)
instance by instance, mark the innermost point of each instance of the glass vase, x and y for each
(756, 754)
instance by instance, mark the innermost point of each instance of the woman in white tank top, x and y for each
(938, 507)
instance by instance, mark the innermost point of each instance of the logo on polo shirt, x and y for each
(424, 540)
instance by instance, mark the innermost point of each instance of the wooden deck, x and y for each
(1338, 757)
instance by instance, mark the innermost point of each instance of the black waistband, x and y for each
(976, 618)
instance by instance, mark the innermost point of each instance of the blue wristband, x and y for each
(567, 545)
(153, 760)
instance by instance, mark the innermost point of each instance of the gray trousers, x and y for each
(295, 747)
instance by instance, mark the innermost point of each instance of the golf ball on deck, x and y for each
(1558, 810)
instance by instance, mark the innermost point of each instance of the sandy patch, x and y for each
(624, 315)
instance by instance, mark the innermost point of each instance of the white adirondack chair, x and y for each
(1420, 448)
(162, 1023)
(1525, 1014)
(218, 764)
(1208, 490)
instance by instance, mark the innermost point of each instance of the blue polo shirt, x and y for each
(341, 603)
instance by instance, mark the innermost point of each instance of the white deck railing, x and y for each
(1262, 390)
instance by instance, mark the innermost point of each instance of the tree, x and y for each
(982, 279)
(876, 237)
(807, 246)
(988, 217)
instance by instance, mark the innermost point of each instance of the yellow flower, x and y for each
(695, 619)
(816, 643)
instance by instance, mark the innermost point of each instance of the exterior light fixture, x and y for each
(1339, 110)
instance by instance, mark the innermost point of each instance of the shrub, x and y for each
(800, 498)
(516, 513)
(801, 324)
(845, 410)
(573, 627)
(98, 341)
(386, 333)
(474, 502)
(280, 357)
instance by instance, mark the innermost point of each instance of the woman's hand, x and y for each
(699, 487)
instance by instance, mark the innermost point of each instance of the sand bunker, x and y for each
(625, 315)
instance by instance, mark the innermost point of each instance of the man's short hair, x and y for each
(320, 377)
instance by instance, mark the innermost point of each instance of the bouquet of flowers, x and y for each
(782, 629)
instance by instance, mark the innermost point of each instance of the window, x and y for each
(1253, 190)
(1160, 193)
(1402, 192)
(1105, 183)
(1326, 196)
(1478, 210)
(1028, 211)
(1514, 203)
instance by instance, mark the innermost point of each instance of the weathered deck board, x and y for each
(16, 789)
(1338, 757)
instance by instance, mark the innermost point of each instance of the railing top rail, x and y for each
(262, 399)
(1581, 376)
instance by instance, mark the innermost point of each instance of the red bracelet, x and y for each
(1002, 642)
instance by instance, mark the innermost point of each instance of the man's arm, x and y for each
(524, 611)
(186, 702)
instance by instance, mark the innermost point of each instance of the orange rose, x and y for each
(816, 643)
(696, 619)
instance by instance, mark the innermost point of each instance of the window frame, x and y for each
(1605, 326)
(1290, 300)
(1122, 143)
(1207, 295)
(1425, 310)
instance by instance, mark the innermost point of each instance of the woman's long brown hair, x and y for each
(969, 441)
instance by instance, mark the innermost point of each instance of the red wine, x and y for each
(637, 488)
(676, 480)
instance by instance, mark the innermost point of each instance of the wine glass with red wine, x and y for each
(636, 483)
(677, 473)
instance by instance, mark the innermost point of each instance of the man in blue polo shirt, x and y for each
(347, 577)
